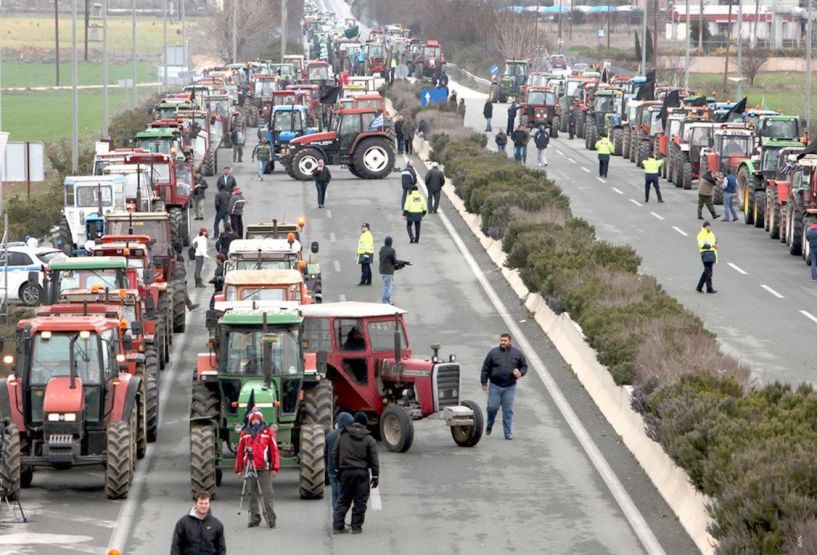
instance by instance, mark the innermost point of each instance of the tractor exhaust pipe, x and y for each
(398, 347)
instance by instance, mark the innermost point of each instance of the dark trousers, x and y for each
(509, 130)
(433, 201)
(407, 145)
(237, 223)
(604, 163)
(220, 217)
(365, 273)
(709, 202)
(415, 236)
(651, 178)
(706, 277)
(400, 143)
(321, 188)
(354, 486)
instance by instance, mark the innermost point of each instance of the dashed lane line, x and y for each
(328, 213)
(332, 236)
(560, 152)
(636, 202)
(572, 161)
(342, 298)
(658, 216)
(809, 315)
(602, 180)
(585, 169)
(619, 191)
(336, 264)
(681, 231)
(772, 291)
(737, 268)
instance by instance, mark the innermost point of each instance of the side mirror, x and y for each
(127, 341)
(136, 327)
(314, 247)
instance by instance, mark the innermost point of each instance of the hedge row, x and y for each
(749, 448)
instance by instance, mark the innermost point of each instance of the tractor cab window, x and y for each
(283, 121)
(50, 358)
(86, 279)
(736, 146)
(265, 87)
(780, 129)
(572, 88)
(155, 229)
(603, 104)
(375, 51)
(258, 294)
(381, 335)
(349, 335)
(317, 336)
(674, 127)
(536, 97)
(434, 52)
(245, 352)
(700, 136)
(250, 264)
(318, 73)
(770, 157)
(184, 179)
(90, 196)
(348, 128)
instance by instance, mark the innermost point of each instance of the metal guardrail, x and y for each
(468, 74)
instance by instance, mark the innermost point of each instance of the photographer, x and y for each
(258, 449)
(388, 265)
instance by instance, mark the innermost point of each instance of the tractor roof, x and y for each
(136, 216)
(349, 309)
(251, 247)
(73, 308)
(93, 179)
(782, 143)
(94, 323)
(156, 133)
(263, 277)
(283, 316)
(126, 249)
(89, 263)
(360, 110)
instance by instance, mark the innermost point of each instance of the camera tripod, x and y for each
(12, 501)
(251, 477)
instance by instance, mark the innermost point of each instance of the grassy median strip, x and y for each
(749, 447)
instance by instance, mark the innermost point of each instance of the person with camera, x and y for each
(258, 452)
(355, 455)
(388, 265)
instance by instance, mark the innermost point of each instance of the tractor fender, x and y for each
(749, 165)
(125, 395)
(782, 189)
(10, 389)
(206, 364)
(368, 135)
(662, 144)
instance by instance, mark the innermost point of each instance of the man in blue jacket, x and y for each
(503, 366)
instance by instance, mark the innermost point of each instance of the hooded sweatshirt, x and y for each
(344, 421)
(356, 450)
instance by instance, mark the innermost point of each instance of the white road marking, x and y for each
(659, 216)
(594, 454)
(332, 236)
(328, 213)
(602, 180)
(737, 268)
(377, 503)
(585, 169)
(572, 160)
(772, 291)
(681, 231)
(809, 315)
(636, 202)
(560, 152)
(336, 264)
(619, 191)
(342, 298)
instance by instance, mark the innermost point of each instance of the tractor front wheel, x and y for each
(152, 393)
(203, 458)
(396, 428)
(794, 221)
(468, 436)
(617, 140)
(179, 306)
(10, 461)
(686, 176)
(643, 152)
(312, 466)
(120, 464)
(177, 225)
(773, 209)
(304, 163)
(760, 208)
(374, 158)
(319, 404)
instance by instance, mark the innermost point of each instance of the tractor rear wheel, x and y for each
(617, 142)
(152, 394)
(396, 428)
(203, 458)
(468, 436)
(580, 128)
(760, 208)
(319, 404)
(141, 417)
(163, 332)
(592, 136)
(179, 306)
(794, 222)
(625, 142)
(374, 158)
(179, 269)
(303, 164)
(208, 165)
(746, 195)
(643, 152)
(10, 461)
(686, 178)
(353, 170)
(554, 130)
(773, 209)
(176, 220)
(633, 146)
(204, 402)
(63, 238)
(120, 463)
(312, 466)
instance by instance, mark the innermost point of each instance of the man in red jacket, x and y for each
(257, 445)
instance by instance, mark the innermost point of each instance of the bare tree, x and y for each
(516, 35)
(753, 60)
(255, 19)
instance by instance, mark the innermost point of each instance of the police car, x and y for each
(22, 260)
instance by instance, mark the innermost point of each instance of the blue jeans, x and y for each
(388, 280)
(261, 165)
(500, 148)
(220, 217)
(519, 153)
(501, 397)
(729, 206)
(488, 124)
(813, 256)
(333, 483)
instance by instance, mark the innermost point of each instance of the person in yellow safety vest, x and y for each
(413, 211)
(392, 65)
(708, 247)
(365, 254)
(604, 148)
(651, 167)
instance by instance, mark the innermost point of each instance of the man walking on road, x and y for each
(199, 531)
(222, 205)
(345, 420)
(198, 195)
(199, 244)
(414, 210)
(651, 168)
(322, 177)
(226, 180)
(435, 179)
(730, 188)
(520, 139)
(263, 153)
(355, 455)
(604, 148)
(237, 202)
(512, 110)
(365, 254)
(706, 194)
(408, 136)
(503, 366)
(237, 138)
(708, 247)
(398, 132)
(258, 449)
(488, 113)
(388, 265)
(408, 179)
(542, 140)
(811, 237)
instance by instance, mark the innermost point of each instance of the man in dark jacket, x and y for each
(345, 420)
(236, 209)
(408, 135)
(388, 265)
(226, 180)
(355, 453)
(199, 187)
(811, 237)
(408, 179)
(398, 131)
(502, 367)
(435, 179)
(520, 139)
(222, 205)
(227, 237)
(512, 110)
(199, 532)
(488, 113)
(322, 177)
(542, 140)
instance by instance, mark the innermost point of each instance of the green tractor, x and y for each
(257, 360)
(599, 117)
(514, 78)
(775, 132)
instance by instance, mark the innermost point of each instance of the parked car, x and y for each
(21, 261)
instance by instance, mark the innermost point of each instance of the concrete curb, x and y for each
(613, 401)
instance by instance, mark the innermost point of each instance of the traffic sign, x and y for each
(433, 96)
(494, 69)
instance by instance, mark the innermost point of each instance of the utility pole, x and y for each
(235, 31)
(701, 28)
(57, 36)
(728, 38)
(104, 69)
(74, 92)
(808, 68)
(740, 51)
(133, 50)
(560, 23)
(164, 47)
(686, 53)
(85, 53)
(283, 29)
(655, 35)
(184, 35)
(644, 40)
(609, 9)
(570, 22)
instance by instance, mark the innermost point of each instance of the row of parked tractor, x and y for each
(694, 134)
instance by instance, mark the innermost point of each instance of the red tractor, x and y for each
(71, 401)
(429, 60)
(367, 151)
(801, 204)
(377, 59)
(731, 144)
(369, 362)
(540, 106)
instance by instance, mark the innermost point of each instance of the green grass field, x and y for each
(33, 74)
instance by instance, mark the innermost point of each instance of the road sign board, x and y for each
(24, 162)
(494, 69)
(433, 96)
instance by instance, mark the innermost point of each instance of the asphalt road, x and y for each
(766, 305)
(539, 493)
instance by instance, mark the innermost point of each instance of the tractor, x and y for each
(540, 107)
(777, 192)
(513, 80)
(672, 137)
(264, 285)
(86, 201)
(257, 361)
(288, 122)
(571, 93)
(377, 59)
(369, 362)
(606, 103)
(367, 152)
(645, 130)
(71, 401)
(801, 205)
(730, 146)
(428, 60)
(696, 137)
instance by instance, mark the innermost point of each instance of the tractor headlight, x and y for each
(62, 417)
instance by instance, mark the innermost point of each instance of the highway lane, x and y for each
(765, 304)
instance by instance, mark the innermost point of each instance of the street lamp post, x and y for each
(104, 69)
(74, 97)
